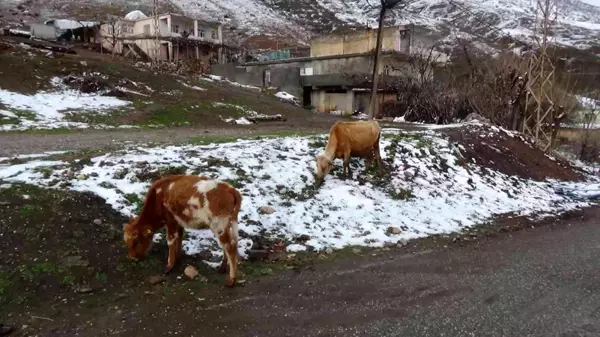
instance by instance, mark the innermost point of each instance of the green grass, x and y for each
(29, 209)
(216, 139)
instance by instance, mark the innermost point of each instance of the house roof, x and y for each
(70, 24)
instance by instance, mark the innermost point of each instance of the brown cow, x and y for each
(186, 201)
(350, 139)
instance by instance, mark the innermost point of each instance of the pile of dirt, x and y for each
(93, 84)
(511, 155)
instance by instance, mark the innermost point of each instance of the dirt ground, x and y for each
(510, 155)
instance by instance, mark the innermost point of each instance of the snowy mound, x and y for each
(428, 187)
(135, 15)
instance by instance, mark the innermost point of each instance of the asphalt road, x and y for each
(537, 282)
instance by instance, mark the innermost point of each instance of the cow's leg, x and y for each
(230, 249)
(179, 241)
(222, 229)
(223, 266)
(173, 243)
(378, 154)
(368, 162)
(347, 171)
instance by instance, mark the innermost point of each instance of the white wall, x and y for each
(46, 32)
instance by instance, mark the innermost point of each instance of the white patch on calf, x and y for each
(204, 186)
(158, 190)
(171, 186)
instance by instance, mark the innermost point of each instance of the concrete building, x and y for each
(349, 41)
(168, 37)
(337, 74)
(66, 30)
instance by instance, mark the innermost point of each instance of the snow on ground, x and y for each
(287, 97)
(213, 78)
(49, 109)
(242, 120)
(427, 191)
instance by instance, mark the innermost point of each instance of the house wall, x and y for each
(42, 31)
(360, 42)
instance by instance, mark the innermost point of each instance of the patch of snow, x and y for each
(239, 121)
(49, 108)
(212, 78)
(192, 86)
(20, 31)
(296, 248)
(287, 97)
(399, 120)
(427, 193)
(123, 89)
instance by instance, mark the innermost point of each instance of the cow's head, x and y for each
(323, 166)
(138, 238)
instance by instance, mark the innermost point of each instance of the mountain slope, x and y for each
(578, 23)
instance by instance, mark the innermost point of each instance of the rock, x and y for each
(394, 230)
(356, 250)
(82, 177)
(157, 279)
(24, 46)
(476, 117)
(94, 174)
(84, 290)
(329, 250)
(83, 63)
(267, 210)
(191, 272)
(97, 222)
(70, 174)
(304, 238)
(120, 174)
(75, 260)
(258, 254)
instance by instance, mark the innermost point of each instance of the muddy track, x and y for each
(27, 143)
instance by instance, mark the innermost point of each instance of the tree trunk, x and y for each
(373, 104)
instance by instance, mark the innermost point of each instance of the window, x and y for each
(126, 28)
(147, 29)
(175, 28)
(215, 34)
(387, 69)
(201, 33)
(267, 78)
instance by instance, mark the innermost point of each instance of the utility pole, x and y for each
(156, 35)
(385, 6)
(538, 123)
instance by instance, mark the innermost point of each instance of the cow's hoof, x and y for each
(168, 270)
(230, 282)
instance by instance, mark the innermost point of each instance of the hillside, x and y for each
(483, 20)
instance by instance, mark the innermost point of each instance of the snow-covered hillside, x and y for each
(579, 22)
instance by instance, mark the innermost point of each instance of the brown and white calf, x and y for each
(192, 202)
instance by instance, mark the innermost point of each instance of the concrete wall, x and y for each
(286, 78)
(46, 32)
(361, 41)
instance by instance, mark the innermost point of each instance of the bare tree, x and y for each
(589, 148)
(113, 33)
(385, 5)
